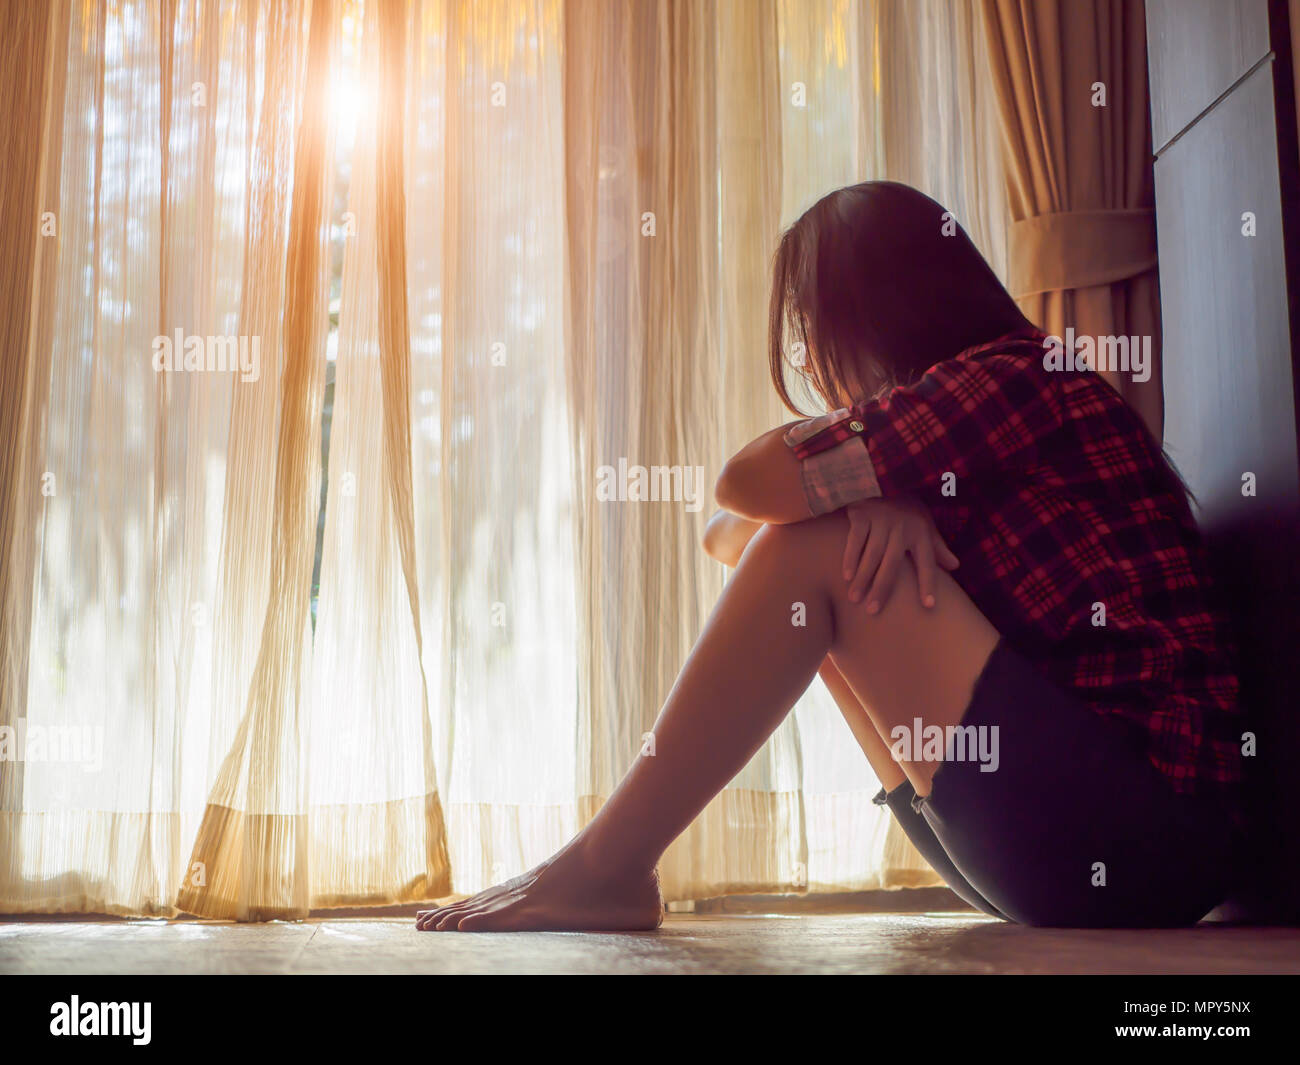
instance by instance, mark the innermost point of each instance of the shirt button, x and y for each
(856, 426)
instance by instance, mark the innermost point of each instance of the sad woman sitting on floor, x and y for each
(985, 548)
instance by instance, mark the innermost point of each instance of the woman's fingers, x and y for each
(867, 566)
(942, 552)
(886, 574)
(923, 556)
(859, 529)
(875, 550)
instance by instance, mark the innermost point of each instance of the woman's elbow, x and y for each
(749, 492)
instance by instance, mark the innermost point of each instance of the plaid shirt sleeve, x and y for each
(967, 416)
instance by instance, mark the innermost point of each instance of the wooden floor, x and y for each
(709, 943)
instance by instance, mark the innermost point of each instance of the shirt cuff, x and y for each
(810, 427)
(839, 476)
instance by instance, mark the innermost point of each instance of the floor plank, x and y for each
(687, 944)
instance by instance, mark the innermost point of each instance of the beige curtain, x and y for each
(31, 80)
(1076, 134)
(495, 481)
(492, 252)
(252, 848)
(930, 116)
(177, 751)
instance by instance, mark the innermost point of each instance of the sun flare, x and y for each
(353, 99)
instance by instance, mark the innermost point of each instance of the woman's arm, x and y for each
(965, 417)
(763, 482)
(972, 416)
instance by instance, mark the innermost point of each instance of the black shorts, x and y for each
(1075, 827)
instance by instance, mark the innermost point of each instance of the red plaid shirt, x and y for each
(1060, 506)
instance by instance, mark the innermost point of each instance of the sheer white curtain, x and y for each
(548, 225)
(494, 476)
(167, 161)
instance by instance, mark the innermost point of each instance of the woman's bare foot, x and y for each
(563, 894)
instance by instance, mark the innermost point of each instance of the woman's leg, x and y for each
(776, 621)
(725, 539)
(896, 793)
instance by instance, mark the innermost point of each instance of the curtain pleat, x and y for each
(253, 844)
(376, 822)
(32, 79)
(493, 477)
(121, 507)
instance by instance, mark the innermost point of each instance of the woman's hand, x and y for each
(881, 532)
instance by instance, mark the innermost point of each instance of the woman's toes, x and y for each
(473, 922)
(425, 920)
(430, 920)
(495, 918)
(448, 921)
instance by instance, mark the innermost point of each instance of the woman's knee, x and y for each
(814, 543)
(813, 550)
(726, 537)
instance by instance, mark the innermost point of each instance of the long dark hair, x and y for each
(872, 286)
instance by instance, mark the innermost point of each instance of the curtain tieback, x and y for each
(1079, 249)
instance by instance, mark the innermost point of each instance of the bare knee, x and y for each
(814, 549)
(804, 555)
(814, 541)
(813, 552)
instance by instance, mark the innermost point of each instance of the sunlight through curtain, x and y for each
(496, 255)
